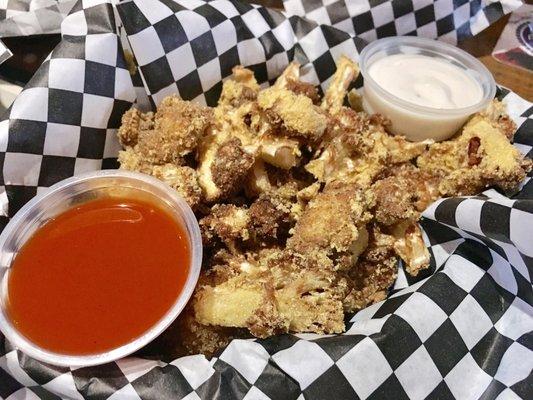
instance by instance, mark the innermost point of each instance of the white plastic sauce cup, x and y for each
(65, 195)
(413, 121)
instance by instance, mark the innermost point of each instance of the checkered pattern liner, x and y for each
(195, 44)
(446, 20)
(32, 17)
(5, 53)
(460, 330)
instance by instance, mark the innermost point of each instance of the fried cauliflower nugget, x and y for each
(223, 166)
(279, 292)
(271, 217)
(265, 222)
(240, 89)
(496, 114)
(308, 292)
(334, 222)
(290, 79)
(181, 125)
(347, 71)
(410, 247)
(295, 114)
(399, 199)
(134, 121)
(226, 223)
(191, 337)
(155, 144)
(130, 160)
(169, 134)
(479, 157)
(183, 179)
(360, 149)
(422, 185)
(374, 273)
(395, 201)
(197, 338)
(402, 192)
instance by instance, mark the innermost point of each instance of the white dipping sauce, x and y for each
(426, 81)
(426, 88)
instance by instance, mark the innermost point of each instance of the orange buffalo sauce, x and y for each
(98, 276)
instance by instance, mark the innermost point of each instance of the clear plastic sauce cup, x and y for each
(67, 194)
(417, 122)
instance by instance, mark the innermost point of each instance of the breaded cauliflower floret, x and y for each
(347, 71)
(130, 160)
(496, 114)
(241, 89)
(181, 178)
(166, 136)
(270, 218)
(422, 185)
(360, 149)
(196, 338)
(395, 201)
(134, 121)
(296, 114)
(178, 127)
(410, 247)
(280, 292)
(479, 157)
(226, 223)
(224, 166)
(375, 272)
(334, 222)
(290, 79)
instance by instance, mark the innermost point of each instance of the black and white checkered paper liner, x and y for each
(463, 329)
(5, 53)
(446, 20)
(32, 17)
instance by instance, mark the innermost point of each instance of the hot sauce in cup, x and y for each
(98, 275)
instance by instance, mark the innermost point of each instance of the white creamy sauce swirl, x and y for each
(426, 81)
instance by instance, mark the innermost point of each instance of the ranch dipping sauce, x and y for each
(426, 81)
(426, 88)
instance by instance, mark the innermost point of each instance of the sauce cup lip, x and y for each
(31, 349)
(449, 52)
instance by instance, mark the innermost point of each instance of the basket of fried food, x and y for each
(306, 203)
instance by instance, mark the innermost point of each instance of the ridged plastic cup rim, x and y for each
(66, 360)
(449, 52)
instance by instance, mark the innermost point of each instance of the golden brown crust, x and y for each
(333, 222)
(181, 178)
(279, 291)
(374, 274)
(347, 71)
(270, 219)
(394, 201)
(226, 223)
(230, 167)
(295, 114)
(305, 89)
(481, 156)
